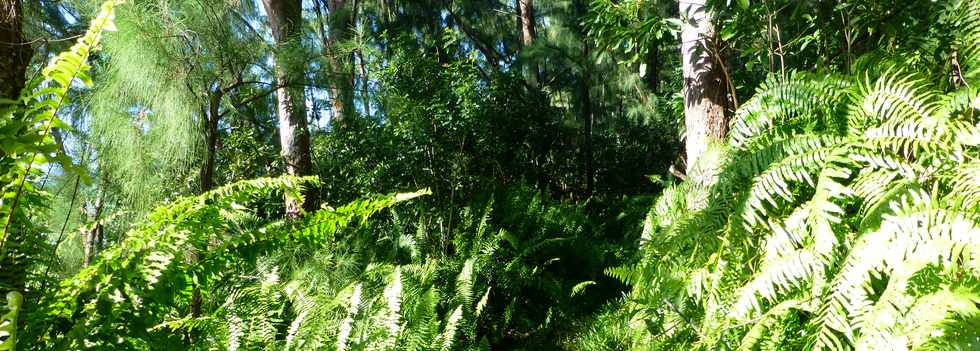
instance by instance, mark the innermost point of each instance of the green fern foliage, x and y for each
(138, 292)
(844, 217)
(26, 143)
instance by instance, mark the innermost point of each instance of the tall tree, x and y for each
(704, 89)
(526, 9)
(585, 100)
(285, 19)
(15, 53)
(340, 20)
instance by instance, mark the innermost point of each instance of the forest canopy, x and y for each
(489, 175)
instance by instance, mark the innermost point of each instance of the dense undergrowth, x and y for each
(842, 212)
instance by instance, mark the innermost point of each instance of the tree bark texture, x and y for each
(211, 118)
(285, 18)
(15, 53)
(527, 38)
(340, 19)
(704, 87)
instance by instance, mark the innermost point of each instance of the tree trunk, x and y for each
(362, 65)
(95, 237)
(285, 18)
(365, 80)
(704, 88)
(527, 38)
(652, 74)
(589, 126)
(584, 79)
(340, 18)
(15, 53)
(211, 117)
(588, 119)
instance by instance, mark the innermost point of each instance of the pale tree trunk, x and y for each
(15, 54)
(362, 64)
(704, 88)
(527, 37)
(285, 19)
(341, 75)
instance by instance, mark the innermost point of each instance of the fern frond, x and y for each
(755, 334)
(783, 102)
(916, 235)
(784, 274)
(773, 185)
(895, 97)
(965, 185)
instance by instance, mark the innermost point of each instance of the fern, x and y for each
(843, 216)
(139, 282)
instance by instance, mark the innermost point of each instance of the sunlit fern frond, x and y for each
(790, 104)
(918, 233)
(896, 97)
(772, 188)
(965, 185)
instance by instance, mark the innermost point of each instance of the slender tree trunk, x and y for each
(589, 126)
(95, 237)
(341, 80)
(285, 18)
(704, 86)
(211, 118)
(527, 38)
(15, 54)
(362, 65)
(652, 74)
(365, 79)
(585, 101)
(588, 119)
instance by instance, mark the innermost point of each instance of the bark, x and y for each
(489, 53)
(588, 119)
(285, 18)
(365, 79)
(15, 53)
(95, 237)
(362, 65)
(704, 86)
(527, 38)
(211, 117)
(585, 102)
(341, 75)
